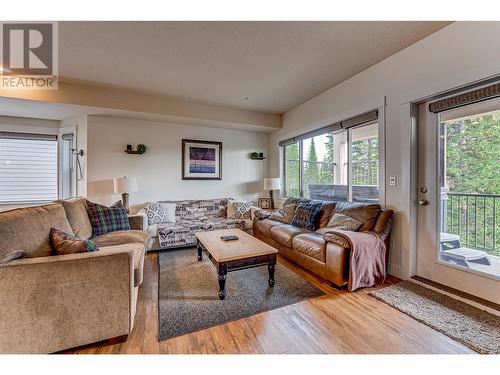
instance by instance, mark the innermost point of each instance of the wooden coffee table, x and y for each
(227, 256)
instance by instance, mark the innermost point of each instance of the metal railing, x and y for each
(365, 172)
(473, 217)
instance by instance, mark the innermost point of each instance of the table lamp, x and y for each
(271, 184)
(124, 186)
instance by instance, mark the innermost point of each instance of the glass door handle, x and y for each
(423, 202)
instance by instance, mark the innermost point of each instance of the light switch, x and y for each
(393, 180)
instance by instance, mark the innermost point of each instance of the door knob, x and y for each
(423, 202)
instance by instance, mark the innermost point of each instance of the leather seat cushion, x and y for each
(310, 244)
(285, 233)
(138, 251)
(121, 237)
(265, 226)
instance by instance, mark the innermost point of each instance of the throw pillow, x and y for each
(13, 256)
(261, 214)
(159, 213)
(107, 219)
(239, 210)
(307, 215)
(344, 222)
(284, 214)
(64, 243)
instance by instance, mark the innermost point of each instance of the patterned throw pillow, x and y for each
(107, 219)
(284, 214)
(159, 213)
(64, 243)
(240, 210)
(344, 222)
(307, 215)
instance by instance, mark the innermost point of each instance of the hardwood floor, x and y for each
(338, 322)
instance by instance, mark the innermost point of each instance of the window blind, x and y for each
(28, 167)
(348, 123)
(466, 98)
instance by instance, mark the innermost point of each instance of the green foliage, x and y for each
(473, 155)
(292, 169)
(326, 174)
(365, 161)
(311, 166)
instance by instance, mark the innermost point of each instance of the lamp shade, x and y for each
(125, 185)
(272, 183)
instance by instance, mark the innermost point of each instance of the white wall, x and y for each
(459, 54)
(158, 171)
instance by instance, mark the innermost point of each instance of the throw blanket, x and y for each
(367, 266)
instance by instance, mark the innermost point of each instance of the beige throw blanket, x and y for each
(367, 259)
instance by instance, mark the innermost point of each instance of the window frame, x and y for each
(381, 157)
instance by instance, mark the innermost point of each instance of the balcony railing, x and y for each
(474, 217)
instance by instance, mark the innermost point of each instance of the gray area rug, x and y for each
(467, 324)
(187, 293)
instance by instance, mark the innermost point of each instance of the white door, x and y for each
(458, 198)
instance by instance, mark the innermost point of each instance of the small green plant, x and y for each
(141, 148)
(254, 155)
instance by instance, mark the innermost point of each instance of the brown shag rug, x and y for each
(467, 324)
(188, 300)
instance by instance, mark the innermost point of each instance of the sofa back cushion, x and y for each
(192, 209)
(76, 212)
(28, 229)
(366, 213)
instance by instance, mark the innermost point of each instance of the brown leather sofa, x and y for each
(327, 259)
(53, 302)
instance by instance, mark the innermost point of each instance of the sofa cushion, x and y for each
(138, 251)
(265, 226)
(64, 243)
(107, 219)
(307, 215)
(239, 210)
(343, 222)
(76, 212)
(363, 212)
(121, 237)
(326, 213)
(284, 214)
(284, 233)
(310, 244)
(27, 229)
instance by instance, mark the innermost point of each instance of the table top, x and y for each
(246, 246)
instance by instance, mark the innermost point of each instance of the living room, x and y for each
(249, 187)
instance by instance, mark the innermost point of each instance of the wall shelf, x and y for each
(134, 152)
(257, 158)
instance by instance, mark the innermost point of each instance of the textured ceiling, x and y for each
(264, 66)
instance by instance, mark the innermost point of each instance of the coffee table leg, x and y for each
(271, 268)
(221, 275)
(200, 251)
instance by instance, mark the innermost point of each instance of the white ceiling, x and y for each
(276, 65)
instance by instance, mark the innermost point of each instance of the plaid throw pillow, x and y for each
(107, 219)
(307, 215)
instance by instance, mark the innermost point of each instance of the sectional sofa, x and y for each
(49, 302)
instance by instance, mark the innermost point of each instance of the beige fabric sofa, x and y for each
(49, 302)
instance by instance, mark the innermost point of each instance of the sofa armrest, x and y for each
(59, 302)
(139, 221)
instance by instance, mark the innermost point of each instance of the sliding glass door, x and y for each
(338, 165)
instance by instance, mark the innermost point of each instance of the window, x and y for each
(28, 167)
(335, 163)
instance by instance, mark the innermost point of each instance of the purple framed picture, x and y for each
(201, 160)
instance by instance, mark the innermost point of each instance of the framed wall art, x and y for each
(201, 160)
